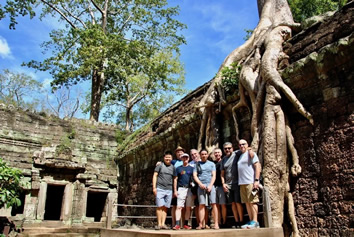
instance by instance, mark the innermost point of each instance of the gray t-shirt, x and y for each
(246, 168)
(229, 165)
(165, 176)
(205, 171)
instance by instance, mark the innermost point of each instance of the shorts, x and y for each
(246, 194)
(220, 195)
(163, 197)
(234, 194)
(203, 196)
(184, 196)
(174, 201)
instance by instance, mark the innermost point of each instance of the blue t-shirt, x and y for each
(205, 171)
(184, 174)
(177, 163)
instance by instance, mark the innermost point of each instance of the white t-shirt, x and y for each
(246, 168)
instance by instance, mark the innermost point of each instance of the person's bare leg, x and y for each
(215, 214)
(164, 215)
(249, 210)
(234, 211)
(239, 211)
(159, 216)
(178, 213)
(173, 215)
(223, 213)
(254, 209)
(201, 215)
(219, 212)
(187, 214)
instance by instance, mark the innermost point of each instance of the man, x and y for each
(220, 194)
(183, 192)
(162, 182)
(176, 163)
(249, 170)
(204, 175)
(229, 180)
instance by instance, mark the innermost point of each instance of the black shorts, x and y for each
(174, 201)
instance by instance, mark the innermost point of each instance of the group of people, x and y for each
(197, 181)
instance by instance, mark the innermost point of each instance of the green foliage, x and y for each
(248, 34)
(303, 9)
(106, 45)
(121, 135)
(142, 92)
(15, 89)
(9, 185)
(230, 76)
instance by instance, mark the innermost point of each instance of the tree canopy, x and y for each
(15, 89)
(302, 9)
(98, 37)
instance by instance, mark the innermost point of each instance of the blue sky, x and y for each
(215, 28)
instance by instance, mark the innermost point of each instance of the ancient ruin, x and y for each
(294, 102)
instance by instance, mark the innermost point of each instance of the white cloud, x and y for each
(5, 51)
(46, 83)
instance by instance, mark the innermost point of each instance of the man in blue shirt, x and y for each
(204, 175)
(183, 191)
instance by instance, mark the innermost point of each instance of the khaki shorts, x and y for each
(246, 194)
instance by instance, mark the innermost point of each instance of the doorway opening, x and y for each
(96, 202)
(54, 202)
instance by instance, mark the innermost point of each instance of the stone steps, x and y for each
(60, 231)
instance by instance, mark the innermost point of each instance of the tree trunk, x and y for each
(260, 80)
(128, 118)
(96, 94)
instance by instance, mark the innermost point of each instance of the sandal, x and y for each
(216, 228)
(207, 227)
(199, 228)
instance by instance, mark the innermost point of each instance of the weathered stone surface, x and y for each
(74, 153)
(321, 74)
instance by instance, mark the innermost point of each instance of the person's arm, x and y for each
(224, 185)
(175, 186)
(257, 174)
(196, 179)
(213, 177)
(154, 182)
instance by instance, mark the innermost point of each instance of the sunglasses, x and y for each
(243, 144)
(227, 148)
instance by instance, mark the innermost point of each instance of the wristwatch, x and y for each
(256, 180)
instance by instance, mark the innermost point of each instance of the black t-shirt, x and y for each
(218, 174)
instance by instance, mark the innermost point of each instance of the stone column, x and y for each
(42, 196)
(67, 204)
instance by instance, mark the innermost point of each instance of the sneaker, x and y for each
(253, 225)
(176, 227)
(187, 227)
(245, 225)
(157, 227)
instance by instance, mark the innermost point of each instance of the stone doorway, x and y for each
(54, 201)
(96, 203)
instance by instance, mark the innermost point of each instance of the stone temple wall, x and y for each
(72, 159)
(320, 71)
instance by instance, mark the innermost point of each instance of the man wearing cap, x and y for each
(183, 192)
(176, 163)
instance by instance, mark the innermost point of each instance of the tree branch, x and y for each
(60, 13)
(75, 17)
